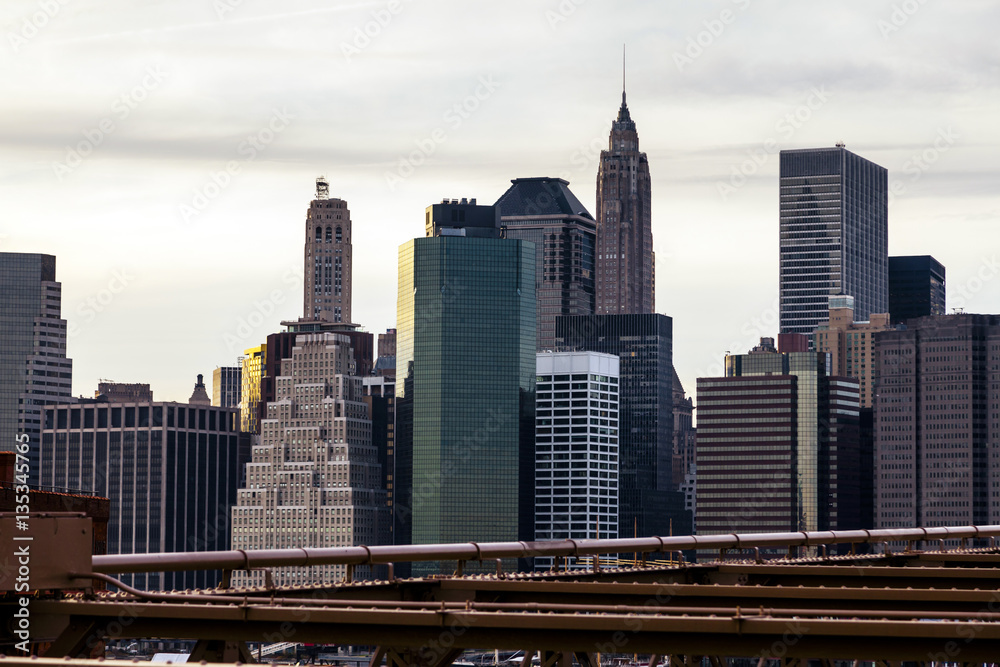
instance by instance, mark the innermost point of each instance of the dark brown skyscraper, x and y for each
(328, 258)
(625, 266)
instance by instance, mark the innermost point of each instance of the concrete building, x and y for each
(576, 448)
(778, 445)
(851, 344)
(937, 422)
(625, 261)
(314, 479)
(545, 212)
(648, 502)
(834, 235)
(465, 384)
(328, 253)
(916, 287)
(170, 470)
(34, 370)
(124, 392)
(227, 386)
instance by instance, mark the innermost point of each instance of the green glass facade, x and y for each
(465, 353)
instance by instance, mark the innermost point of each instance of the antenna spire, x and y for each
(623, 74)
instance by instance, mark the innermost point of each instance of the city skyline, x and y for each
(167, 113)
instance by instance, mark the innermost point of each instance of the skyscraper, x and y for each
(315, 478)
(937, 422)
(465, 383)
(227, 385)
(250, 392)
(647, 500)
(34, 370)
(625, 261)
(545, 212)
(327, 258)
(916, 287)
(834, 236)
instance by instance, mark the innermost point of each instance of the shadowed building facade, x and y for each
(916, 287)
(465, 390)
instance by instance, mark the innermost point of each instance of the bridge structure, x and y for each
(882, 597)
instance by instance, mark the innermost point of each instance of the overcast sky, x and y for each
(166, 151)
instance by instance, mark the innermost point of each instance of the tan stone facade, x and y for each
(852, 347)
(327, 259)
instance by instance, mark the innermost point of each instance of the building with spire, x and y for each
(625, 262)
(327, 258)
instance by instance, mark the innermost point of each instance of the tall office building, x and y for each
(380, 399)
(851, 344)
(834, 235)
(227, 386)
(327, 258)
(625, 261)
(684, 434)
(34, 370)
(251, 375)
(314, 479)
(937, 422)
(465, 384)
(648, 503)
(576, 448)
(170, 470)
(385, 362)
(778, 445)
(545, 212)
(916, 287)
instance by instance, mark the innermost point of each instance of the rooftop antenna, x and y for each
(623, 74)
(841, 144)
(322, 188)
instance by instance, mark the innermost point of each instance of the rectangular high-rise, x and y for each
(834, 235)
(916, 287)
(545, 212)
(465, 383)
(937, 422)
(576, 448)
(34, 370)
(328, 258)
(227, 386)
(647, 502)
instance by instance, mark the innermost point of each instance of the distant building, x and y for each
(625, 259)
(170, 470)
(648, 502)
(778, 445)
(328, 257)
(380, 398)
(314, 479)
(834, 235)
(684, 434)
(916, 287)
(34, 370)
(227, 386)
(937, 422)
(465, 383)
(851, 344)
(200, 395)
(576, 448)
(545, 212)
(385, 362)
(251, 375)
(121, 392)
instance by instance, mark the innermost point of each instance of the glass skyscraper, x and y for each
(916, 287)
(465, 360)
(834, 236)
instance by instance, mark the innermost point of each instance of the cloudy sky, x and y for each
(166, 151)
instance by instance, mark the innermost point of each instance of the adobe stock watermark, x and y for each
(453, 117)
(247, 325)
(585, 155)
(785, 129)
(901, 14)
(920, 163)
(366, 34)
(33, 24)
(562, 12)
(713, 29)
(248, 149)
(121, 108)
(97, 303)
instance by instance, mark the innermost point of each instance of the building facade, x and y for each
(545, 212)
(314, 479)
(851, 344)
(251, 374)
(576, 448)
(170, 470)
(328, 258)
(34, 370)
(465, 383)
(937, 422)
(625, 261)
(648, 503)
(227, 386)
(916, 287)
(834, 235)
